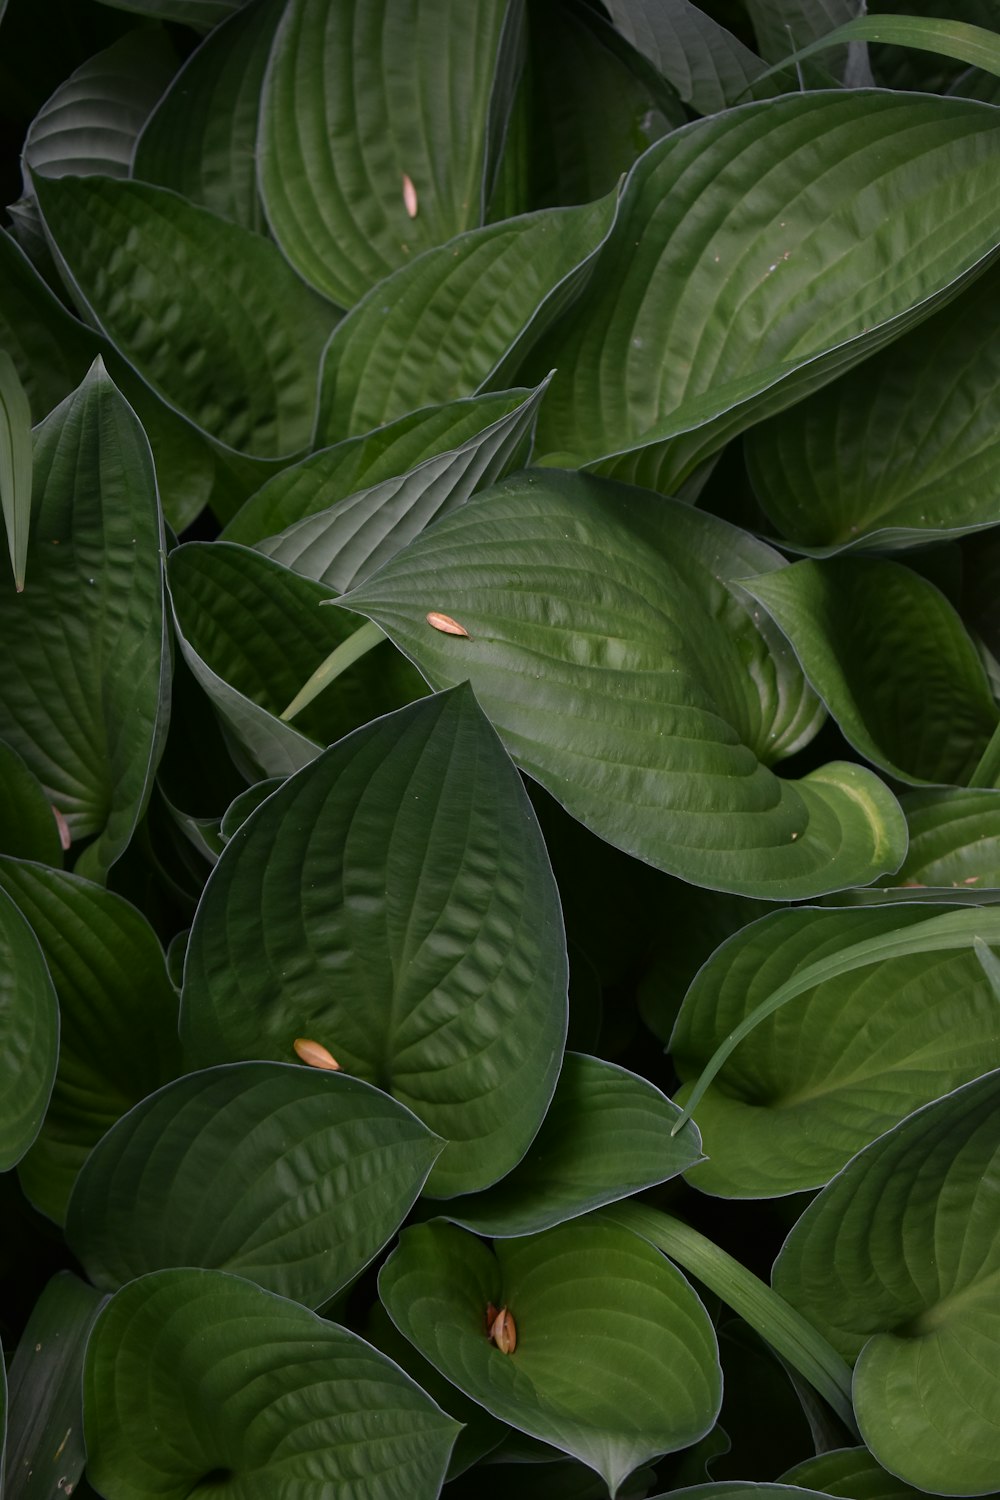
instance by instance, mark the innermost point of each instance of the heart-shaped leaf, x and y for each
(897, 1262)
(191, 283)
(292, 1177)
(29, 1035)
(609, 648)
(615, 1359)
(757, 254)
(118, 1018)
(431, 962)
(249, 1394)
(849, 1471)
(85, 662)
(606, 1136)
(891, 660)
(854, 1051)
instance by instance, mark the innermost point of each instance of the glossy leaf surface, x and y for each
(29, 1035)
(954, 840)
(707, 65)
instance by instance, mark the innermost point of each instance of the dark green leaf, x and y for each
(15, 465)
(28, 826)
(244, 1394)
(201, 14)
(708, 66)
(850, 1472)
(29, 1035)
(968, 44)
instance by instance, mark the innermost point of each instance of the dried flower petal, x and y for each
(315, 1055)
(504, 1332)
(65, 837)
(409, 197)
(445, 623)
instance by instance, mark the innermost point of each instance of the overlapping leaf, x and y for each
(201, 14)
(615, 1360)
(756, 255)
(29, 1035)
(708, 66)
(375, 132)
(15, 465)
(625, 674)
(954, 840)
(849, 1471)
(897, 1261)
(854, 1049)
(28, 826)
(394, 902)
(85, 663)
(289, 1176)
(248, 1394)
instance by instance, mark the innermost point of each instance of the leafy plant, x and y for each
(501, 741)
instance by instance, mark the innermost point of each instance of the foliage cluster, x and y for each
(500, 843)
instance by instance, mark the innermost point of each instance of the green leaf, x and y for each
(756, 255)
(15, 465)
(342, 544)
(973, 45)
(28, 827)
(192, 283)
(605, 1137)
(201, 139)
(730, 1489)
(909, 440)
(202, 14)
(45, 1452)
(708, 66)
(860, 1048)
(363, 463)
(292, 1177)
(29, 1035)
(897, 1261)
(954, 840)
(459, 318)
(251, 631)
(627, 675)
(85, 658)
(850, 1472)
(394, 902)
(248, 1395)
(91, 122)
(782, 25)
(362, 98)
(118, 1012)
(891, 660)
(615, 1362)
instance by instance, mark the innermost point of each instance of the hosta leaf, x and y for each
(897, 1261)
(373, 459)
(606, 1136)
(756, 255)
(188, 284)
(28, 826)
(118, 1033)
(364, 97)
(292, 1177)
(201, 140)
(394, 902)
(627, 676)
(91, 122)
(45, 1452)
(202, 14)
(891, 660)
(615, 1360)
(909, 440)
(954, 840)
(15, 465)
(968, 44)
(251, 632)
(343, 544)
(457, 318)
(85, 651)
(788, 26)
(734, 1489)
(850, 1472)
(248, 1394)
(854, 1051)
(708, 66)
(29, 1035)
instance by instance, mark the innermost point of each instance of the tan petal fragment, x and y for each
(315, 1055)
(445, 623)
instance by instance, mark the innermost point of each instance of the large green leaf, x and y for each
(908, 441)
(201, 139)
(615, 1360)
(897, 1261)
(118, 1038)
(605, 1137)
(974, 45)
(292, 1177)
(855, 1050)
(201, 1382)
(458, 318)
(394, 902)
(375, 131)
(627, 676)
(708, 66)
(85, 659)
(28, 826)
(45, 1452)
(251, 631)
(91, 122)
(954, 840)
(891, 660)
(29, 1035)
(756, 255)
(374, 459)
(208, 313)
(850, 1472)
(343, 544)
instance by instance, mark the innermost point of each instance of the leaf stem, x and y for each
(987, 773)
(345, 655)
(787, 1331)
